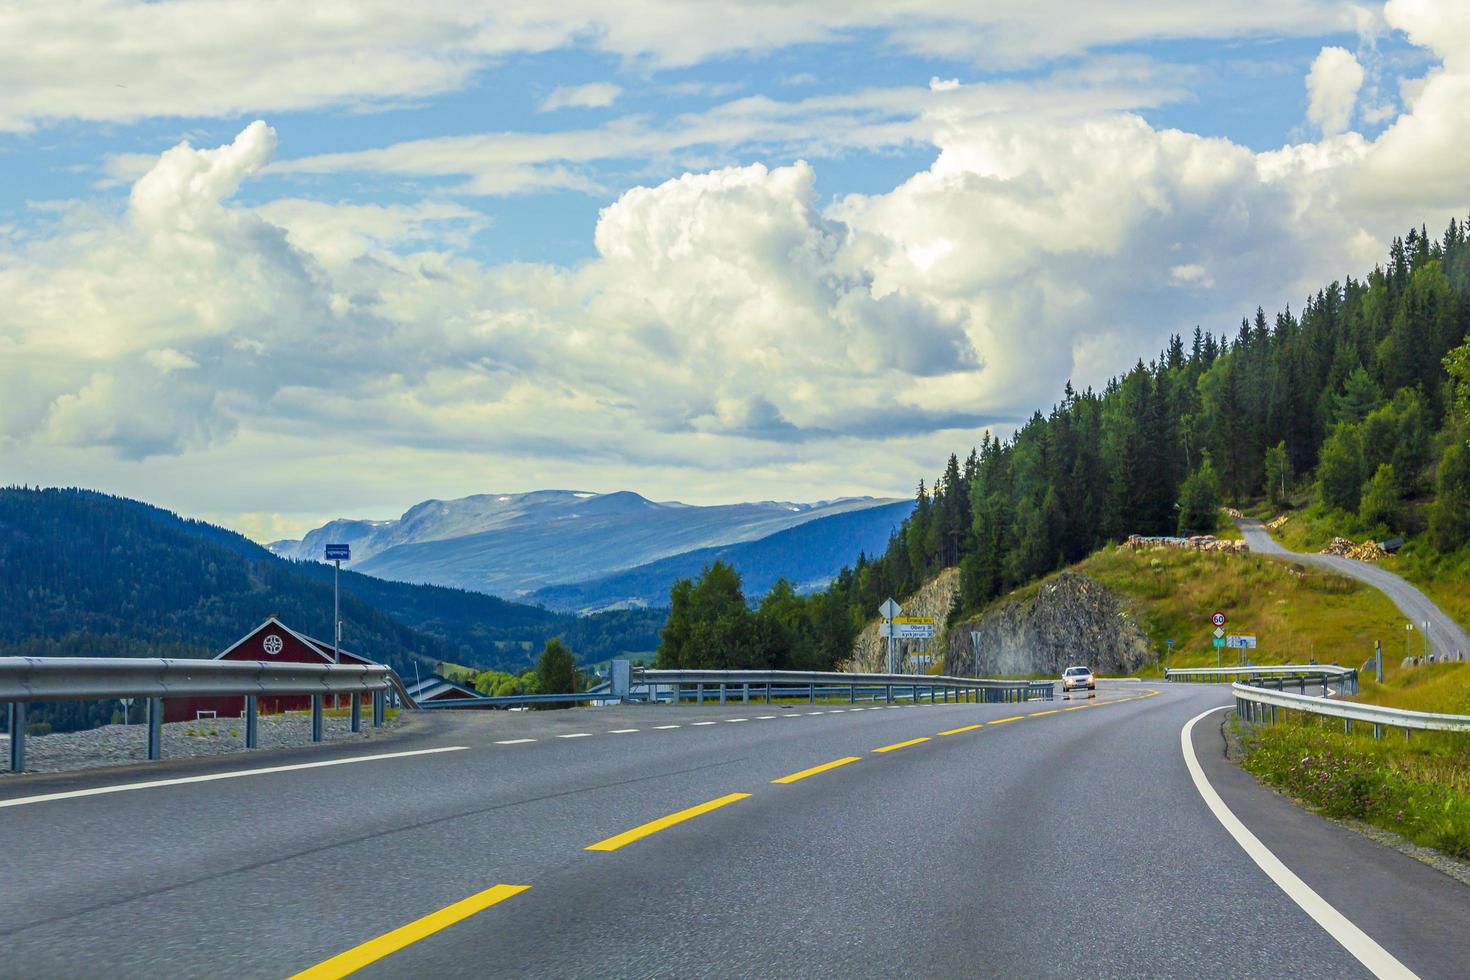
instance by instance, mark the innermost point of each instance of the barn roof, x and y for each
(323, 650)
(435, 685)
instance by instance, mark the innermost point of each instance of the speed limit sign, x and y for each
(1218, 619)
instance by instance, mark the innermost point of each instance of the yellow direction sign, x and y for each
(914, 620)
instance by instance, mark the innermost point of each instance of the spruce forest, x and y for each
(1357, 406)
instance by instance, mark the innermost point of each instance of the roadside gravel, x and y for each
(116, 745)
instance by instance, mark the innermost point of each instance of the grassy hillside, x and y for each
(1445, 578)
(1296, 613)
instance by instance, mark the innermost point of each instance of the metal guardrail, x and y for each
(1254, 703)
(518, 700)
(724, 685)
(28, 679)
(677, 686)
(1328, 675)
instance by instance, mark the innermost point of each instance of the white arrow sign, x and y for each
(889, 609)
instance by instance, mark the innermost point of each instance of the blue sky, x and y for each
(355, 258)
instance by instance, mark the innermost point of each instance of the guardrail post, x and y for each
(699, 693)
(722, 692)
(155, 728)
(852, 694)
(356, 714)
(316, 717)
(678, 693)
(745, 693)
(768, 692)
(1347, 726)
(252, 721)
(1273, 714)
(888, 693)
(811, 694)
(378, 711)
(1377, 731)
(16, 713)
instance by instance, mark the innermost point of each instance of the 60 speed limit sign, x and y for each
(1218, 619)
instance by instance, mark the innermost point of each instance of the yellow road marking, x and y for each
(1038, 714)
(967, 728)
(1077, 707)
(1002, 721)
(902, 745)
(663, 823)
(375, 949)
(824, 767)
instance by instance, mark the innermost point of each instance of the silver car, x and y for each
(1077, 678)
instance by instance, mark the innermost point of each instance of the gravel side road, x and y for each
(1446, 637)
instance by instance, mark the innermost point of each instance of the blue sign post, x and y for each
(337, 554)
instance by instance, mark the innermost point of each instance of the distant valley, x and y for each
(579, 551)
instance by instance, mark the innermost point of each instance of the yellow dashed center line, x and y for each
(1002, 721)
(902, 745)
(967, 728)
(375, 949)
(663, 823)
(824, 767)
(1038, 714)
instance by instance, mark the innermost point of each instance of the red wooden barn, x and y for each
(271, 641)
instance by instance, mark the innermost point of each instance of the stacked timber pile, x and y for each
(1369, 550)
(1277, 524)
(1198, 542)
(1234, 514)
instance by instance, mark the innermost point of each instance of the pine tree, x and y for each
(556, 670)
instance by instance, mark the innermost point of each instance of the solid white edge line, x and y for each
(620, 731)
(515, 741)
(211, 777)
(577, 735)
(698, 724)
(1379, 961)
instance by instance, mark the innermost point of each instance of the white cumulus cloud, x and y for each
(594, 95)
(1332, 89)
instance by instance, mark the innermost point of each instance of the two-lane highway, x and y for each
(1053, 838)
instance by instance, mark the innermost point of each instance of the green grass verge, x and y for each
(1443, 688)
(1419, 787)
(1444, 578)
(1296, 613)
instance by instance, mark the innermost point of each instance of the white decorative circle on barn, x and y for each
(273, 645)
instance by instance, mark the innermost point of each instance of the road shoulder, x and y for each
(1414, 911)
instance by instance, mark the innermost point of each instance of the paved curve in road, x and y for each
(1446, 636)
(1046, 839)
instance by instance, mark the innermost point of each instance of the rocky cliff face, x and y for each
(935, 599)
(1071, 620)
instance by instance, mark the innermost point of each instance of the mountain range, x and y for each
(807, 556)
(524, 545)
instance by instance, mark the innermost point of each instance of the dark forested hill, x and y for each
(1358, 406)
(1350, 403)
(78, 566)
(808, 555)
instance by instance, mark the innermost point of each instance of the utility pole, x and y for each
(337, 554)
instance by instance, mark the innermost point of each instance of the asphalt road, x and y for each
(1044, 842)
(1446, 637)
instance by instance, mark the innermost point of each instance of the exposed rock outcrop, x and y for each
(935, 599)
(1070, 620)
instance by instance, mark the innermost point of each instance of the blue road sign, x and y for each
(339, 552)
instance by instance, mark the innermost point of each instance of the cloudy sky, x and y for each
(269, 262)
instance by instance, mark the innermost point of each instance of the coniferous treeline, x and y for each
(1356, 389)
